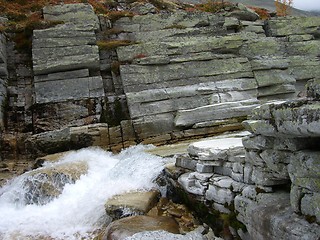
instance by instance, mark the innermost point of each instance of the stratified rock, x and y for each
(296, 118)
(293, 25)
(132, 203)
(126, 227)
(214, 111)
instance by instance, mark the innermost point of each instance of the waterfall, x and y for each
(79, 209)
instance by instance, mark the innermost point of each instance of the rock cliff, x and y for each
(148, 76)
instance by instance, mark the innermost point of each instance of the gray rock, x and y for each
(243, 13)
(214, 112)
(82, 73)
(149, 75)
(70, 89)
(185, 161)
(313, 89)
(219, 195)
(50, 60)
(189, 185)
(304, 170)
(142, 8)
(310, 205)
(307, 48)
(276, 90)
(153, 125)
(215, 149)
(293, 26)
(262, 47)
(267, 63)
(272, 77)
(258, 142)
(76, 13)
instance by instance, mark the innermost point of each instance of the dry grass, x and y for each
(115, 15)
(213, 6)
(263, 13)
(113, 44)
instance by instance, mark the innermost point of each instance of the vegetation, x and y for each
(213, 6)
(25, 16)
(113, 44)
(262, 12)
(283, 7)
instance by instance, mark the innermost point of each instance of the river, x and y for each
(79, 209)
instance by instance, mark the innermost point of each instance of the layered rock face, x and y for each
(198, 72)
(187, 74)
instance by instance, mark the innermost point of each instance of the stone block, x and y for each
(76, 13)
(254, 158)
(205, 167)
(262, 47)
(273, 77)
(215, 149)
(71, 89)
(185, 161)
(304, 170)
(265, 177)
(153, 125)
(310, 205)
(219, 195)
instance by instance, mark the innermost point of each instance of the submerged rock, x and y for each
(132, 203)
(127, 227)
(44, 184)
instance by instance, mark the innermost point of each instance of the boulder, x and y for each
(44, 184)
(126, 227)
(132, 203)
(243, 13)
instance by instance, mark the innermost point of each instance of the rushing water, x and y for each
(79, 209)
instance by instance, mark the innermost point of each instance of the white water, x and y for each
(79, 210)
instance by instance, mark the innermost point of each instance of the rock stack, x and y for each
(269, 180)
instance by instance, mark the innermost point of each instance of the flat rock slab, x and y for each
(215, 149)
(128, 226)
(132, 203)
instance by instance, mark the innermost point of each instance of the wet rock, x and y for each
(128, 226)
(44, 184)
(132, 203)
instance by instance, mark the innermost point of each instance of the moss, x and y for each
(116, 15)
(310, 219)
(213, 6)
(259, 190)
(115, 67)
(112, 31)
(112, 116)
